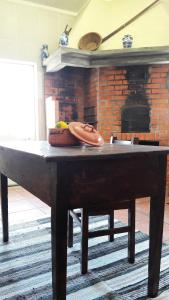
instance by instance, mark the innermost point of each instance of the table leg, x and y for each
(59, 253)
(4, 206)
(156, 233)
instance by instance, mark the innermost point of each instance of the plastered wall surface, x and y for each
(24, 28)
(151, 29)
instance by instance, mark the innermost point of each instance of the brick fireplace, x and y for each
(100, 96)
(103, 93)
(112, 91)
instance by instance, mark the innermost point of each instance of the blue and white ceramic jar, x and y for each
(44, 53)
(64, 40)
(127, 41)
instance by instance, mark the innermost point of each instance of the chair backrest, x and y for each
(114, 140)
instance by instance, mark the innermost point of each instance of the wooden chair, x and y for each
(82, 218)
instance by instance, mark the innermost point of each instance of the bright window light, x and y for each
(17, 100)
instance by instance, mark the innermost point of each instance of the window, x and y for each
(18, 100)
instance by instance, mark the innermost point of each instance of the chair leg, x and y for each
(131, 234)
(111, 226)
(84, 241)
(70, 230)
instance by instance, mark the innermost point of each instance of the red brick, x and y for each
(152, 86)
(158, 80)
(160, 70)
(118, 77)
(156, 96)
(160, 91)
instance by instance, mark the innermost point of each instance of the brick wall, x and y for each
(111, 92)
(67, 87)
(107, 89)
(91, 81)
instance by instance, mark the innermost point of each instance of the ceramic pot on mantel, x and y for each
(127, 41)
(64, 38)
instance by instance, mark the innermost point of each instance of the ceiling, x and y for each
(74, 6)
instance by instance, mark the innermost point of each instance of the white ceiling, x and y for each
(73, 6)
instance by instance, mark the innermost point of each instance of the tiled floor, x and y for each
(23, 206)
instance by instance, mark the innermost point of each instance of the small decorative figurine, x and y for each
(44, 52)
(64, 39)
(127, 41)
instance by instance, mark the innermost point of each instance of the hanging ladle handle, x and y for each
(129, 21)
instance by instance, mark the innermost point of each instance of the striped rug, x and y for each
(25, 266)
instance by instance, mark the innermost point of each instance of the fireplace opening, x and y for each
(148, 143)
(135, 118)
(135, 114)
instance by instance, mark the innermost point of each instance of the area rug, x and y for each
(25, 266)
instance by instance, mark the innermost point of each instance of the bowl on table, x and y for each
(61, 137)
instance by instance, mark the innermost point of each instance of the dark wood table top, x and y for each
(50, 153)
(86, 177)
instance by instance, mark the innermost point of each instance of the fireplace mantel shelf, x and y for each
(69, 57)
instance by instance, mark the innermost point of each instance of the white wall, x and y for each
(23, 30)
(103, 16)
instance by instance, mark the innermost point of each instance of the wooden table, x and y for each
(87, 176)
